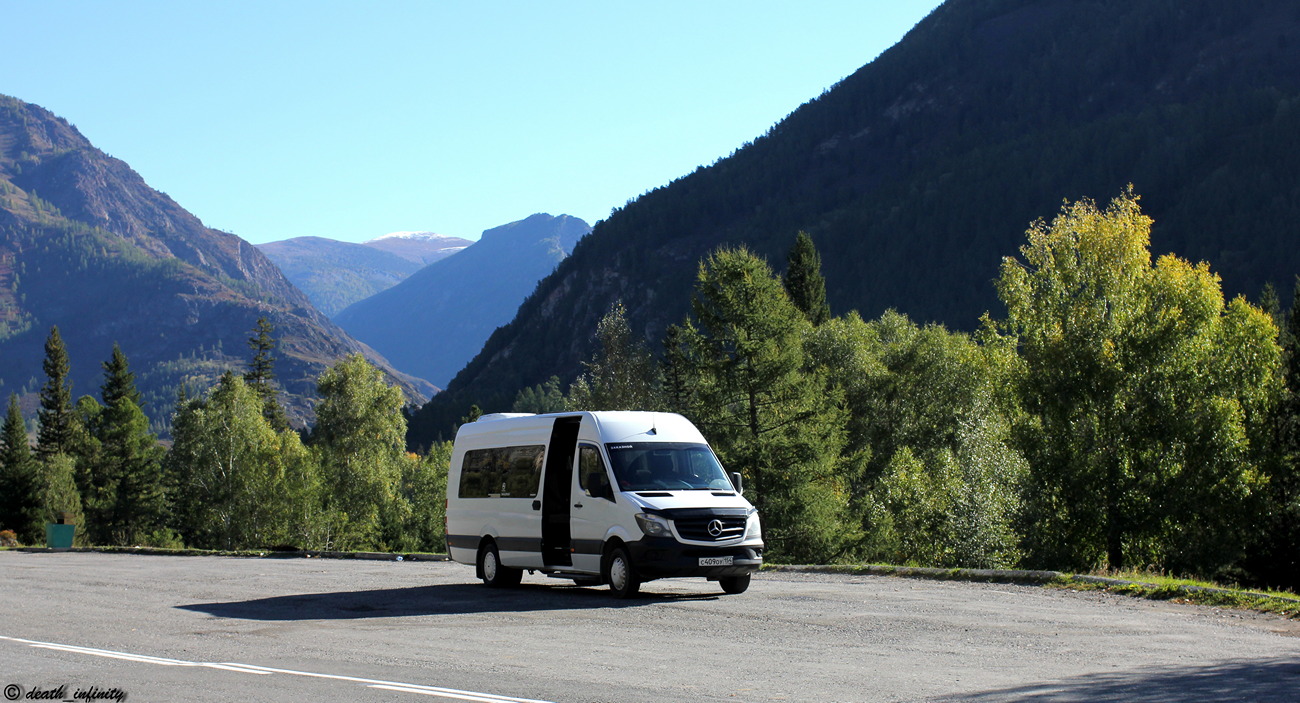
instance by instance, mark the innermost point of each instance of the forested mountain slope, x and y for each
(87, 245)
(918, 172)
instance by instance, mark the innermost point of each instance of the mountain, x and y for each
(432, 323)
(422, 248)
(87, 245)
(336, 274)
(918, 172)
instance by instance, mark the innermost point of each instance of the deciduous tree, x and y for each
(623, 374)
(927, 417)
(1145, 392)
(360, 433)
(240, 483)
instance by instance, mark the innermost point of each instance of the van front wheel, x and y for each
(491, 570)
(622, 578)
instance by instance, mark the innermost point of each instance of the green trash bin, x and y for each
(59, 536)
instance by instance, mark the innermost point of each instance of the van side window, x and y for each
(502, 472)
(591, 465)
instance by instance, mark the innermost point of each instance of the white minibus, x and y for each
(597, 497)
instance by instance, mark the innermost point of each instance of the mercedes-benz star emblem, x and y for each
(715, 528)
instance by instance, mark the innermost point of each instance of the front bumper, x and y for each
(664, 557)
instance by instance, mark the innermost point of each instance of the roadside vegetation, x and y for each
(1190, 591)
(1121, 415)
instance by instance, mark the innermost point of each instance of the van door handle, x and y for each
(537, 505)
(577, 505)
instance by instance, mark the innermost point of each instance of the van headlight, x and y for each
(653, 525)
(753, 530)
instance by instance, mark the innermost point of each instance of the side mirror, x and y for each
(738, 482)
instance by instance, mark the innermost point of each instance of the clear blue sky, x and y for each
(348, 120)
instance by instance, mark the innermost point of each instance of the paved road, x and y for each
(224, 629)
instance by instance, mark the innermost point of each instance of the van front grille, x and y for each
(697, 529)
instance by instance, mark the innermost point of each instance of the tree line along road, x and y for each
(226, 629)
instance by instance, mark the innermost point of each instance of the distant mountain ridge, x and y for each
(432, 323)
(335, 274)
(916, 174)
(420, 247)
(87, 245)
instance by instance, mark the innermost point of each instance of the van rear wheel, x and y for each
(493, 573)
(622, 577)
(734, 584)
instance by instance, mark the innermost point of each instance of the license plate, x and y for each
(715, 561)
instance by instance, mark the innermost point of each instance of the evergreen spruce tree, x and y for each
(119, 381)
(1271, 305)
(1277, 561)
(86, 456)
(261, 374)
(20, 490)
(55, 416)
(678, 369)
(767, 414)
(132, 504)
(804, 282)
(541, 398)
(475, 412)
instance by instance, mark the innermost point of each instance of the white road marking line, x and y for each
(265, 671)
(424, 692)
(141, 658)
(413, 686)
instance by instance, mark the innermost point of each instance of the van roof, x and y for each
(609, 425)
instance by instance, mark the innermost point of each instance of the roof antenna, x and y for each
(654, 425)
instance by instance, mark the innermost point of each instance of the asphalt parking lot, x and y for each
(227, 629)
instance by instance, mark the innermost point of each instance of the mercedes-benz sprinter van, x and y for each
(597, 497)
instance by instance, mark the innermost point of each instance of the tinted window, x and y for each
(592, 467)
(501, 472)
(666, 466)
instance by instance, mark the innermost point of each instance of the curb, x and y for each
(1119, 583)
(1036, 578)
(921, 572)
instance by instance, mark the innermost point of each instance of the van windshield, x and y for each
(666, 466)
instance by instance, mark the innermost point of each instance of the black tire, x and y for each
(492, 572)
(734, 584)
(620, 574)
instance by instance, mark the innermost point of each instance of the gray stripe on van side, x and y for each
(505, 544)
(587, 546)
(519, 544)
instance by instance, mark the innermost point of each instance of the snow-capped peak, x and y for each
(419, 236)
